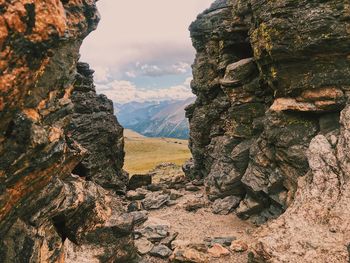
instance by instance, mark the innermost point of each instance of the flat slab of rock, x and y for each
(143, 246)
(155, 200)
(224, 241)
(137, 194)
(161, 251)
(188, 255)
(154, 229)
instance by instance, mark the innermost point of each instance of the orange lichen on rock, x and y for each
(50, 19)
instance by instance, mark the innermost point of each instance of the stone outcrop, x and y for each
(94, 126)
(58, 175)
(271, 79)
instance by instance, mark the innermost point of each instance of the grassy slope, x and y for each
(143, 154)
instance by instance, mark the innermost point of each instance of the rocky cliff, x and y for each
(270, 123)
(61, 147)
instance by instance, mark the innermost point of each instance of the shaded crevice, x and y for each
(59, 223)
(80, 170)
(10, 129)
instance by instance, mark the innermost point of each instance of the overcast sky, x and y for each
(141, 49)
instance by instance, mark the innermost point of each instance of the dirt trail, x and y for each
(196, 226)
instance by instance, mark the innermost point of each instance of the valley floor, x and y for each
(144, 153)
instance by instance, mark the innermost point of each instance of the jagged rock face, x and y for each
(248, 136)
(271, 78)
(95, 127)
(46, 213)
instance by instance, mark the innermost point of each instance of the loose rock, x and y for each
(194, 204)
(226, 205)
(239, 246)
(139, 180)
(155, 200)
(218, 251)
(143, 246)
(224, 241)
(161, 251)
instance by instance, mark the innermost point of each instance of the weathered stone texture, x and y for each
(47, 213)
(271, 79)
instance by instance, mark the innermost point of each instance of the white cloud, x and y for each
(135, 30)
(125, 91)
(130, 74)
(101, 74)
(153, 70)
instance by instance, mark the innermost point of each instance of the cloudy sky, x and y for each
(142, 49)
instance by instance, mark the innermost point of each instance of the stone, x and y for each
(161, 251)
(156, 187)
(188, 255)
(155, 200)
(194, 204)
(238, 246)
(218, 251)
(171, 203)
(239, 72)
(174, 195)
(198, 182)
(139, 217)
(224, 241)
(248, 207)
(168, 241)
(192, 188)
(154, 230)
(135, 206)
(187, 168)
(139, 180)
(179, 243)
(143, 246)
(262, 98)
(226, 205)
(138, 194)
(61, 146)
(93, 125)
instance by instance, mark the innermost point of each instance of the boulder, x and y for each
(161, 251)
(155, 200)
(226, 205)
(139, 180)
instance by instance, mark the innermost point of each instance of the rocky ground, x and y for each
(178, 223)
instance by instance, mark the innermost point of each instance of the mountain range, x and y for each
(155, 119)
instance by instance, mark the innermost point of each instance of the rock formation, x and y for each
(271, 79)
(94, 126)
(58, 175)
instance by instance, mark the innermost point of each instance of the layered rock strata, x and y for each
(54, 206)
(271, 79)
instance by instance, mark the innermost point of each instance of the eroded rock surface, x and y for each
(54, 206)
(271, 79)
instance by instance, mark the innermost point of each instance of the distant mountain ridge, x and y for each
(155, 119)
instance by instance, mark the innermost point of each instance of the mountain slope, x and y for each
(156, 119)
